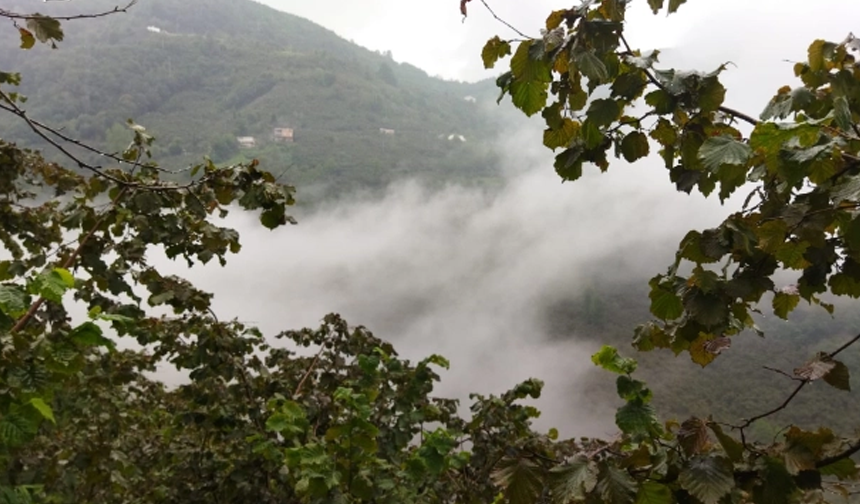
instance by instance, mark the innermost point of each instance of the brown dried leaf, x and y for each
(694, 436)
(463, 7)
(815, 369)
(718, 345)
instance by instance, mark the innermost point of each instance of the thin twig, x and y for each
(14, 109)
(115, 10)
(509, 25)
(309, 370)
(780, 371)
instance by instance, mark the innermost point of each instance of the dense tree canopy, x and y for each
(332, 414)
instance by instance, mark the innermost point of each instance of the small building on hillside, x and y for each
(386, 131)
(246, 142)
(283, 134)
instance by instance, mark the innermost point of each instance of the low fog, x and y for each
(466, 273)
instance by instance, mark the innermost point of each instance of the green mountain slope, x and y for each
(200, 73)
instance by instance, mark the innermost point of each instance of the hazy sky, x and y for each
(431, 34)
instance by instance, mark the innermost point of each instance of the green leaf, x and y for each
(634, 146)
(637, 419)
(615, 486)
(784, 303)
(494, 50)
(771, 235)
(13, 300)
(708, 478)
(777, 484)
(663, 102)
(733, 448)
(591, 66)
(630, 389)
(607, 358)
(43, 409)
(45, 28)
(50, 284)
(843, 284)
(842, 114)
(603, 112)
(520, 478)
(723, 150)
(65, 276)
(629, 85)
(651, 492)
(530, 80)
(842, 469)
(791, 254)
(568, 164)
(655, 5)
(839, 377)
(89, 334)
(665, 304)
(572, 481)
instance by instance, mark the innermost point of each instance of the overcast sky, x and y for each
(432, 35)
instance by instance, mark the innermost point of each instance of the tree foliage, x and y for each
(333, 414)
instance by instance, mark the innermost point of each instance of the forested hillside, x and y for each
(198, 74)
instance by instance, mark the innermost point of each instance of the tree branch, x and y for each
(115, 10)
(851, 450)
(11, 107)
(726, 110)
(794, 393)
(83, 145)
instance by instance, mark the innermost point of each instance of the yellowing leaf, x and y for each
(494, 50)
(816, 55)
(561, 137)
(698, 353)
(555, 18)
(27, 39)
(784, 303)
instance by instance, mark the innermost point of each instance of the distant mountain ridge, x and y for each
(200, 73)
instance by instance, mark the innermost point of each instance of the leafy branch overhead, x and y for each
(799, 165)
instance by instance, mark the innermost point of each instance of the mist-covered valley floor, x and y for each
(483, 278)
